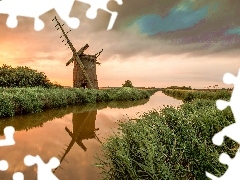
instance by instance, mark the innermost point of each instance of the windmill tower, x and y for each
(84, 71)
(83, 129)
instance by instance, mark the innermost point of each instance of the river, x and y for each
(73, 135)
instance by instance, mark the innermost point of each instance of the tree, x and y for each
(23, 77)
(127, 83)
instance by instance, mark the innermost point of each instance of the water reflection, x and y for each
(78, 130)
(46, 133)
(29, 121)
(83, 129)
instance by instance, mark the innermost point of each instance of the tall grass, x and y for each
(30, 100)
(189, 95)
(171, 143)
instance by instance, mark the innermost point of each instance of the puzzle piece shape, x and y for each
(234, 102)
(44, 170)
(101, 4)
(3, 165)
(36, 8)
(8, 133)
(113, 5)
(18, 176)
(232, 172)
(232, 130)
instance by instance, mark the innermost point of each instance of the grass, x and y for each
(189, 95)
(35, 99)
(169, 143)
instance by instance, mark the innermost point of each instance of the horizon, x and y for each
(180, 43)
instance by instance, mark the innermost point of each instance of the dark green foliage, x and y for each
(178, 87)
(102, 96)
(23, 77)
(127, 93)
(171, 143)
(127, 83)
(188, 97)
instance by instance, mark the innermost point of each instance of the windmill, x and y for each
(83, 129)
(84, 72)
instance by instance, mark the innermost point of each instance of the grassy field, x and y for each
(170, 143)
(189, 95)
(35, 99)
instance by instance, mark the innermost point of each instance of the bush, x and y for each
(23, 77)
(188, 97)
(127, 93)
(127, 83)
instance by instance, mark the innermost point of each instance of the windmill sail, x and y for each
(75, 54)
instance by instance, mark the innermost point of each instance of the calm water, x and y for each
(72, 134)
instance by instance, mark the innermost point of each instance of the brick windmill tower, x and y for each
(84, 71)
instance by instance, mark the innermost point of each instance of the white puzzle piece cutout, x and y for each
(234, 102)
(8, 141)
(232, 172)
(3, 165)
(44, 170)
(8, 133)
(18, 176)
(232, 131)
(36, 8)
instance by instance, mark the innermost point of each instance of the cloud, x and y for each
(233, 31)
(178, 18)
(195, 28)
(203, 22)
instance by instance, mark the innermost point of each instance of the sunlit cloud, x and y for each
(156, 43)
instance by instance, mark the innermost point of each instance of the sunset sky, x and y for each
(153, 43)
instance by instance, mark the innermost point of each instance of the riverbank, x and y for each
(170, 143)
(189, 95)
(14, 101)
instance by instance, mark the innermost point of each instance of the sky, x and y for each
(153, 43)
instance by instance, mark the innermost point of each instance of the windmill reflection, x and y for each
(83, 128)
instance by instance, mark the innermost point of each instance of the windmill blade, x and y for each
(65, 35)
(70, 60)
(83, 49)
(75, 54)
(98, 54)
(78, 53)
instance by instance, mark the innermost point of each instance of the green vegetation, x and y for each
(127, 83)
(29, 121)
(23, 90)
(23, 77)
(170, 143)
(30, 100)
(189, 95)
(179, 87)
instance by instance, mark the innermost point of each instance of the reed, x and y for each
(168, 143)
(189, 95)
(35, 99)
